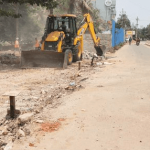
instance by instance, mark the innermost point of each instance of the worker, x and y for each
(17, 44)
(37, 45)
(130, 40)
(40, 43)
(63, 26)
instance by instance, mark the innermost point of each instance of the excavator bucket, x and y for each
(43, 59)
(100, 50)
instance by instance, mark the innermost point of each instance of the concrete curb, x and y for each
(147, 44)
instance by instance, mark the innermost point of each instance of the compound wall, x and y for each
(118, 35)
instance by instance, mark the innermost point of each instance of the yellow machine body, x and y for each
(61, 44)
(53, 37)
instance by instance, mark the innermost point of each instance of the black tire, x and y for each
(77, 57)
(69, 56)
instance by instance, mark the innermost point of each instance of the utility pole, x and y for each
(123, 13)
(137, 20)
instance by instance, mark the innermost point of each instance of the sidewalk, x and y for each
(147, 43)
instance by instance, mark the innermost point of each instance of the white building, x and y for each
(107, 8)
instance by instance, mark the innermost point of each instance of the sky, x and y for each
(134, 9)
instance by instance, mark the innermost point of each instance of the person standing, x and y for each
(130, 40)
(63, 26)
(17, 44)
(37, 45)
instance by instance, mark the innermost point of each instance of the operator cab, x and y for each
(65, 23)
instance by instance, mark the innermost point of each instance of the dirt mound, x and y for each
(9, 59)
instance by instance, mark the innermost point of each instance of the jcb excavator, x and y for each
(62, 43)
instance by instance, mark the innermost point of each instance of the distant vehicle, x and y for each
(127, 40)
(137, 43)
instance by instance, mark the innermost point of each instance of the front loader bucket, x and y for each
(100, 50)
(43, 59)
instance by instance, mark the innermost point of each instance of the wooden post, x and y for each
(12, 106)
(79, 66)
(12, 95)
(92, 61)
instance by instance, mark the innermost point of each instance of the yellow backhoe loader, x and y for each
(62, 43)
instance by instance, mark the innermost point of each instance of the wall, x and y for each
(118, 35)
(105, 12)
(89, 45)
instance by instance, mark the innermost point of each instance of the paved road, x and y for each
(111, 113)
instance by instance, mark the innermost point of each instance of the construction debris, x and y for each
(9, 146)
(9, 59)
(39, 121)
(25, 118)
(40, 88)
(107, 63)
(21, 133)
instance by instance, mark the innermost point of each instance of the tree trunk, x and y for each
(71, 7)
(51, 11)
(17, 21)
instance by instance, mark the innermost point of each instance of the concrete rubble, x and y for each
(21, 133)
(9, 59)
(25, 118)
(9, 146)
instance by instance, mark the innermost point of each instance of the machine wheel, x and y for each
(77, 56)
(69, 57)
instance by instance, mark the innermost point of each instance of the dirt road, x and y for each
(111, 113)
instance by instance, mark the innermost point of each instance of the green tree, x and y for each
(30, 25)
(49, 4)
(123, 22)
(79, 8)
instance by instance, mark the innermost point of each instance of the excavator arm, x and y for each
(88, 23)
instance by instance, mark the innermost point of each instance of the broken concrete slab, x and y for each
(5, 131)
(9, 146)
(25, 118)
(39, 121)
(21, 133)
(107, 63)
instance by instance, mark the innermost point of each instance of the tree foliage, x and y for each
(30, 25)
(33, 19)
(79, 8)
(123, 22)
(144, 33)
(43, 3)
